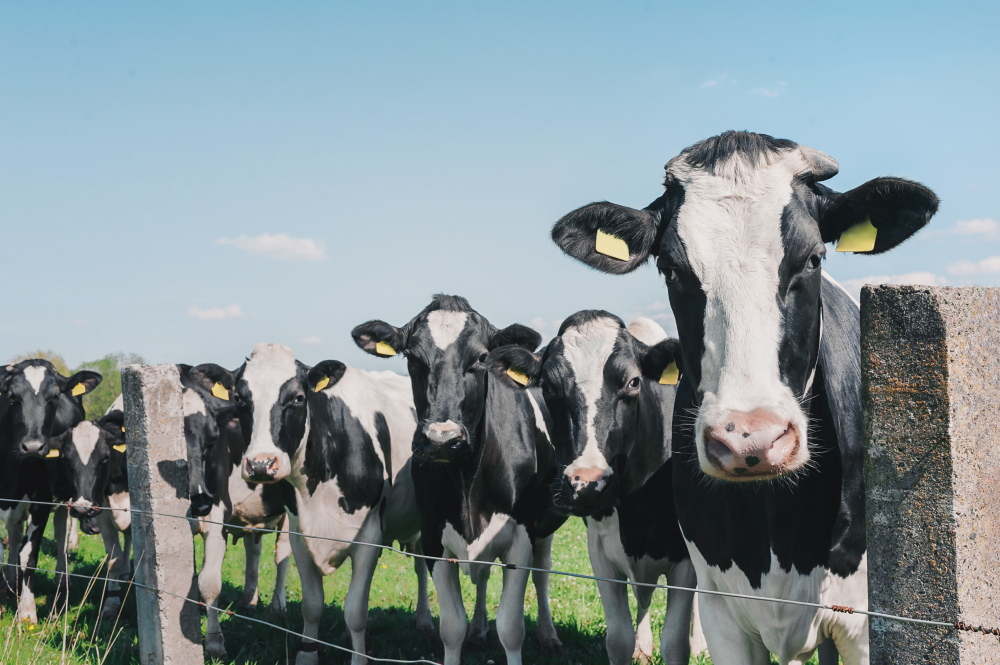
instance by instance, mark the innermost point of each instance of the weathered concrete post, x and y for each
(169, 627)
(931, 389)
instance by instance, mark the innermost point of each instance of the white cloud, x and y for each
(233, 311)
(80, 322)
(714, 82)
(922, 278)
(772, 91)
(311, 340)
(965, 267)
(547, 327)
(986, 227)
(279, 246)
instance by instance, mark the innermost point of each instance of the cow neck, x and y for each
(651, 445)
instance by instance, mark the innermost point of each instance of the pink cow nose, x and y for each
(744, 445)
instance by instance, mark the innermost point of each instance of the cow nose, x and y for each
(83, 508)
(588, 480)
(32, 447)
(201, 504)
(89, 526)
(261, 467)
(443, 433)
(758, 443)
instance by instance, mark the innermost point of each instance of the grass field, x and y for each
(69, 628)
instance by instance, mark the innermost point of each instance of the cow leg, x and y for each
(74, 534)
(425, 621)
(643, 630)
(60, 527)
(851, 642)
(727, 643)
(282, 553)
(480, 627)
(112, 591)
(698, 643)
(251, 594)
(312, 597)
(542, 558)
(619, 636)
(675, 644)
(210, 585)
(828, 653)
(38, 516)
(453, 617)
(363, 563)
(15, 536)
(510, 615)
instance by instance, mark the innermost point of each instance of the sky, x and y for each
(186, 180)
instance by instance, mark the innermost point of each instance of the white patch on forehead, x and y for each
(446, 326)
(35, 375)
(192, 403)
(85, 438)
(586, 349)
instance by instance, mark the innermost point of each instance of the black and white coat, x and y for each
(611, 430)
(768, 483)
(340, 438)
(483, 463)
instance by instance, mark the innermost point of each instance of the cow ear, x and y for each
(662, 362)
(609, 237)
(379, 339)
(114, 423)
(325, 375)
(214, 379)
(877, 216)
(515, 366)
(81, 383)
(516, 334)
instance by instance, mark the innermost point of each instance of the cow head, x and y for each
(445, 348)
(87, 452)
(39, 403)
(209, 418)
(595, 376)
(739, 235)
(271, 400)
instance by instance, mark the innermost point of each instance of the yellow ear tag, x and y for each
(78, 389)
(611, 245)
(858, 238)
(519, 377)
(670, 375)
(53, 452)
(120, 448)
(323, 383)
(384, 349)
(123, 429)
(220, 391)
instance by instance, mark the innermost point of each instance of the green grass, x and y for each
(576, 608)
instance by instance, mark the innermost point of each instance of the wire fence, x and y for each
(955, 625)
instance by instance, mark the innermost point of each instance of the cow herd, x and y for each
(729, 459)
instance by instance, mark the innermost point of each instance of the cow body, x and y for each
(483, 463)
(768, 481)
(340, 438)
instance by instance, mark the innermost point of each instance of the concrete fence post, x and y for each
(169, 627)
(931, 391)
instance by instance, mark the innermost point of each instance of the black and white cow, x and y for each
(340, 438)
(219, 495)
(768, 481)
(611, 427)
(36, 404)
(483, 464)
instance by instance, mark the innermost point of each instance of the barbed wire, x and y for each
(845, 609)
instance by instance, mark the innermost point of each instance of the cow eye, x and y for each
(671, 275)
(299, 400)
(634, 383)
(482, 358)
(815, 262)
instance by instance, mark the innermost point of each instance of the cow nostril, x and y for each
(752, 460)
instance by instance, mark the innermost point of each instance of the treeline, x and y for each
(98, 400)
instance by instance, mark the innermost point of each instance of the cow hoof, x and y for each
(550, 643)
(641, 657)
(215, 646)
(111, 609)
(426, 626)
(278, 611)
(476, 640)
(303, 658)
(249, 604)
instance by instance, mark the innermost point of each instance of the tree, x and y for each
(98, 400)
(57, 360)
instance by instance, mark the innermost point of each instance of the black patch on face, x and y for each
(720, 149)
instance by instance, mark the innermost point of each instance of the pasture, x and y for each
(576, 608)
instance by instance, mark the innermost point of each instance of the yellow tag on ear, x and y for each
(611, 245)
(858, 238)
(53, 452)
(78, 389)
(120, 448)
(384, 349)
(322, 383)
(123, 429)
(220, 391)
(670, 375)
(519, 377)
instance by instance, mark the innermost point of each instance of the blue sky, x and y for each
(186, 180)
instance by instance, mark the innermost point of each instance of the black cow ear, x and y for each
(81, 383)
(517, 334)
(877, 216)
(214, 379)
(662, 362)
(324, 375)
(379, 338)
(515, 365)
(609, 237)
(114, 425)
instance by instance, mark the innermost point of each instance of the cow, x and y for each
(611, 428)
(37, 403)
(338, 438)
(768, 473)
(483, 464)
(219, 495)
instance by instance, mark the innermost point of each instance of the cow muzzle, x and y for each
(201, 504)
(759, 445)
(586, 490)
(261, 469)
(34, 448)
(443, 442)
(84, 509)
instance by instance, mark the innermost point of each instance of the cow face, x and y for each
(209, 418)
(40, 403)
(595, 376)
(271, 402)
(445, 348)
(739, 236)
(86, 451)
